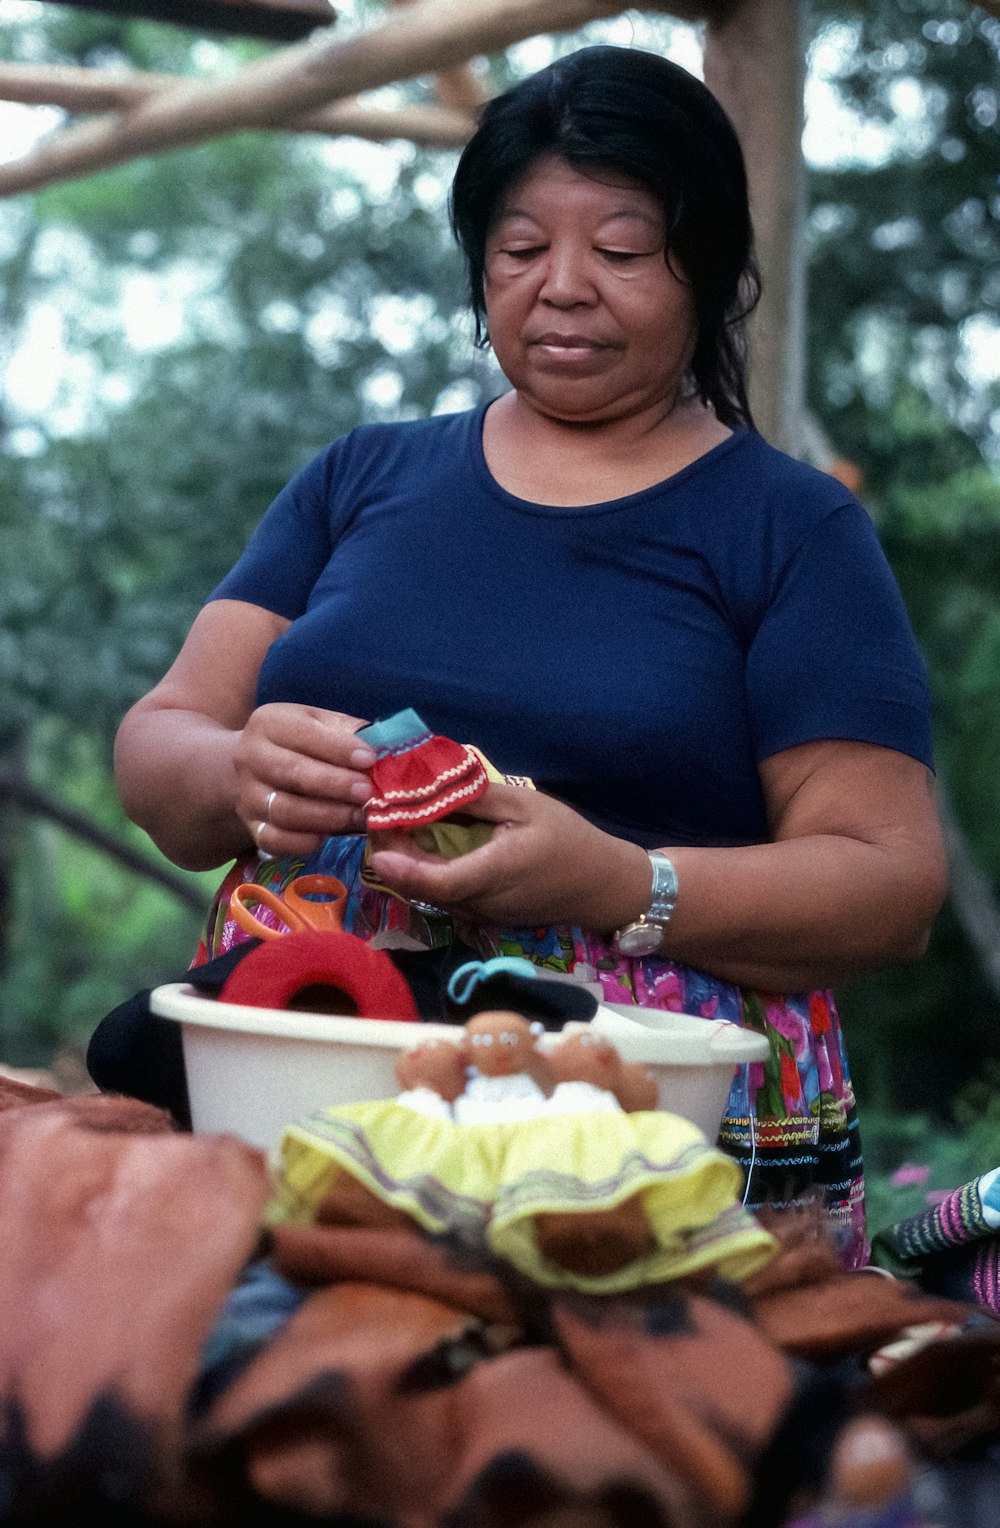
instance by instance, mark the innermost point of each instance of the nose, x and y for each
(566, 280)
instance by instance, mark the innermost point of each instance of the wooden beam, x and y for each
(106, 90)
(458, 87)
(77, 89)
(427, 37)
(431, 127)
(276, 20)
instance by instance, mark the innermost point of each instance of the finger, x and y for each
(328, 736)
(283, 841)
(308, 751)
(502, 803)
(303, 833)
(274, 843)
(332, 735)
(309, 814)
(426, 877)
(296, 774)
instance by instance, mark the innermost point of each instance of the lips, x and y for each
(553, 341)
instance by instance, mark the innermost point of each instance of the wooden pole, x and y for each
(105, 90)
(755, 65)
(430, 36)
(458, 87)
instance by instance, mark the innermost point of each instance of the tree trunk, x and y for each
(755, 65)
(12, 768)
(972, 898)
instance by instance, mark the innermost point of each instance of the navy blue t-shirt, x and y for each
(636, 658)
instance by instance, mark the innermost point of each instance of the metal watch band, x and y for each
(643, 935)
(663, 897)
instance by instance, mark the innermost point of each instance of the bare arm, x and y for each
(851, 880)
(195, 761)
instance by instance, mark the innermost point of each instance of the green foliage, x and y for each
(86, 932)
(222, 313)
(906, 251)
(967, 1147)
(904, 259)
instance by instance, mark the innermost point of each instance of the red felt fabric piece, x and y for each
(318, 1255)
(121, 1239)
(424, 783)
(700, 1419)
(274, 974)
(810, 1307)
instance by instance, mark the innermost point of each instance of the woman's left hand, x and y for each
(543, 864)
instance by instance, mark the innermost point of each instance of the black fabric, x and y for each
(427, 973)
(552, 1003)
(135, 1052)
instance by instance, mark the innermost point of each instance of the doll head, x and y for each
(638, 1090)
(500, 1044)
(438, 1065)
(583, 1057)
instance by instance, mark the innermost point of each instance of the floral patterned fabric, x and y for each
(791, 1120)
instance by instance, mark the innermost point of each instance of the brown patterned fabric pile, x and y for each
(411, 1386)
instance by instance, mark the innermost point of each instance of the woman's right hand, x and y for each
(301, 775)
(209, 773)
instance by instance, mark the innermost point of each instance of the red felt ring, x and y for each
(274, 973)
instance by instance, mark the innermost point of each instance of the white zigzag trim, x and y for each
(433, 809)
(456, 772)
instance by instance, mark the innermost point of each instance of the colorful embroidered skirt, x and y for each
(791, 1121)
(489, 1184)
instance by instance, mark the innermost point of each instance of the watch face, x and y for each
(639, 939)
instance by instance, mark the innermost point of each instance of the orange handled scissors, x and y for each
(313, 902)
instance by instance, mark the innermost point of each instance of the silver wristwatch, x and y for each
(644, 934)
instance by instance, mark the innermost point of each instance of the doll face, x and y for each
(586, 1058)
(499, 1044)
(438, 1065)
(590, 1058)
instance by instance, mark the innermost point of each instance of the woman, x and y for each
(607, 581)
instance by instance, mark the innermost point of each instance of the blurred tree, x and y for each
(219, 315)
(906, 246)
(904, 297)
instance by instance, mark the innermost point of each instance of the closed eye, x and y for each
(622, 256)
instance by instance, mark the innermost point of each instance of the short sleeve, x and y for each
(290, 547)
(834, 655)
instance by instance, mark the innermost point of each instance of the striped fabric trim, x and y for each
(470, 764)
(955, 1220)
(439, 807)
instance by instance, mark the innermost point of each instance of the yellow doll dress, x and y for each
(487, 1182)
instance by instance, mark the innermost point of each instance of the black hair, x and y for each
(628, 111)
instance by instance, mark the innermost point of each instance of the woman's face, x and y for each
(586, 317)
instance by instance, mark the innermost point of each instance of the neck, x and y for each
(624, 431)
(559, 460)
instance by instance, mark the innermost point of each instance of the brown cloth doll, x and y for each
(549, 1158)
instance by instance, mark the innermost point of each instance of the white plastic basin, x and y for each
(252, 1071)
